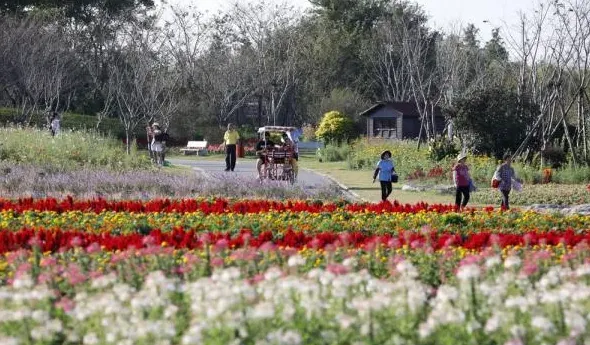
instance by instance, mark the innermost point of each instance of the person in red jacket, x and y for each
(462, 182)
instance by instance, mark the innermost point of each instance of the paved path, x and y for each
(307, 179)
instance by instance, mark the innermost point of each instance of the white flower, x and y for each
(583, 270)
(40, 316)
(468, 272)
(9, 341)
(273, 274)
(291, 338)
(23, 282)
(349, 262)
(296, 260)
(54, 325)
(90, 339)
(512, 261)
(264, 310)
(406, 268)
(493, 261)
(575, 322)
(517, 331)
(447, 293)
(494, 323)
(515, 341)
(542, 323)
(425, 329)
(344, 321)
(519, 302)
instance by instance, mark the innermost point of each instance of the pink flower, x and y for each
(44, 278)
(267, 247)
(529, 268)
(48, 261)
(74, 275)
(245, 254)
(76, 241)
(23, 268)
(66, 304)
(95, 274)
(217, 262)
(221, 245)
(394, 243)
(93, 248)
(470, 260)
(148, 241)
(337, 269)
(35, 242)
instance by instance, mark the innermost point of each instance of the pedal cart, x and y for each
(277, 161)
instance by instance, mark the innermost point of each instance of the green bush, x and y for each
(67, 150)
(442, 148)
(334, 153)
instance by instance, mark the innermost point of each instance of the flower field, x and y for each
(220, 271)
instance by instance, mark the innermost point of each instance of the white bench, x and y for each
(200, 147)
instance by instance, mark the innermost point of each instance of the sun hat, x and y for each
(461, 156)
(384, 152)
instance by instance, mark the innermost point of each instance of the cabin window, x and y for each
(385, 128)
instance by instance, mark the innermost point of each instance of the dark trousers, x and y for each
(386, 189)
(230, 157)
(505, 203)
(462, 193)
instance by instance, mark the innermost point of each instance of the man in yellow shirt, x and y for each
(230, 140)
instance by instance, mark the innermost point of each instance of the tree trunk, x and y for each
(127, 141)
(569, 142)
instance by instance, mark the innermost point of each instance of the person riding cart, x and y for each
(276, 162)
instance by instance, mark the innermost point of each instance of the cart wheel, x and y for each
(291, 176)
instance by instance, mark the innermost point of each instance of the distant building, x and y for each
(397, 120)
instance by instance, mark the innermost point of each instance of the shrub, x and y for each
(67, 150)
(554, 156)
(494, 120)
(334, 153)
(335, 128)
(442, 148)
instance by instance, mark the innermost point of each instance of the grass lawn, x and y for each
(361, 182)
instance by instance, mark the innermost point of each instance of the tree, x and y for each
(335, 128)
(494, 49)
(494, 121)
(347, 102)
(39, 70)
(84, 11)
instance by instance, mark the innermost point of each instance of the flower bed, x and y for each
(219, 271)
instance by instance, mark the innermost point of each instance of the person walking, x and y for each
(385, 170)
(157, 144)
(462, 182)
(506, 174)
(230, 140)
(54, 124)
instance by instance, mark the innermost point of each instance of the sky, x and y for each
(443, 14)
